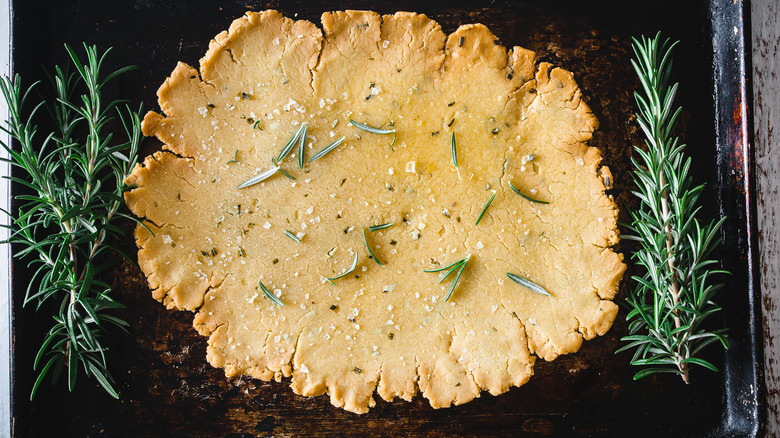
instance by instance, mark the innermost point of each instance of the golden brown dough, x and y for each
(384, 329)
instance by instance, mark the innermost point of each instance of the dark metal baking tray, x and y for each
(168, 389)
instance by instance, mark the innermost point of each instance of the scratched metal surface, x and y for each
(168, 388)
(766, 105)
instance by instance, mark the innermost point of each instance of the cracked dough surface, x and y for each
(381, 329)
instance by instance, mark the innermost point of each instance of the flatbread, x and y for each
(384, 329)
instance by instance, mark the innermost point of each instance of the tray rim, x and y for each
(733, 133)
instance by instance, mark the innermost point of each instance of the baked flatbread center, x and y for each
(381, 328)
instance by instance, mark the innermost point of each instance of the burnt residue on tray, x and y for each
(168, 389)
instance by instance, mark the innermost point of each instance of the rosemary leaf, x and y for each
(380, 227)
(514, 189)
(484, 209)
(257, 125)
(527, 284)
(351, 268)
(268, 294)
(301, 144)
(289, 146)
(373, 130)
(368, 247)
(235, 158)
(454, 151)
(326, 149)
(259, 178)
(284, 172)
(292, 236)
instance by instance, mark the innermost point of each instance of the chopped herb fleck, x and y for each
(257, 125)
(357, 370)
(235, 158)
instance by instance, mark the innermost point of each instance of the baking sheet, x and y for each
(168, 388)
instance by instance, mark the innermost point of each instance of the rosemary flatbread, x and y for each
(434, 127)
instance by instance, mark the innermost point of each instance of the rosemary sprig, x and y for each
(514, 189)
(485, 208)
(454, 151)
(347, 272)
(673, 297)
(380, 227)
(76, 179)
(368, 247)
(371, 129)
(268, 294)
(527, 284)
(326, 149)
(292, 236)
(459, 266)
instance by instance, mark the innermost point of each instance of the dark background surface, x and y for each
(168, 389)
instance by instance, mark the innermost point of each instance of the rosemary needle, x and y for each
(257, 125)
(351, 268)
(528, 284)
(283, 172)
(514, 189)
(373, 130)
(454, 151)
(259, 178)
(289, 146)
(380, 227)
(368, 247)
(235, 158)
(292, 236)
(326, 149)
(270, 295)
(485, 208)
(301, 144)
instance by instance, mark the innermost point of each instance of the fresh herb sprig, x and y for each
(457, 266)
(673, 297)
(63, 228)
